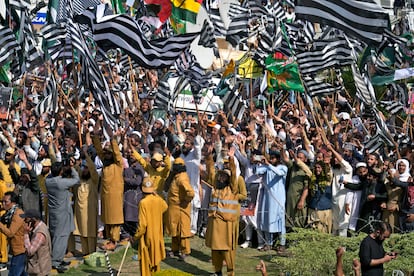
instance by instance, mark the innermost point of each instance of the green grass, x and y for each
(312, 253)
(198, 263)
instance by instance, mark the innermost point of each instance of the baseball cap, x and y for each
(147, 186)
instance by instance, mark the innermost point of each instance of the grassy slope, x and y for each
(198, 263)
(312, 254)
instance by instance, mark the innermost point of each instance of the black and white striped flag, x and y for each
(163, 97)
(238, 29)
(54, 31)
(317, 87)
(207, 38)
(219, 28)
(392, 107)
(275, 8)
(382, 128)
(381, 68)
(374, 143)
(234, 104)
(236, 9)
(50, 102)
(365, 20)
(327, 54)
(93, 78)
(123, 32)
(20, 4)
(33, 54)
(8, 45)
(54, 35)
(364, 90)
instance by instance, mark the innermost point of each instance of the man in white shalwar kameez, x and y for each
(342, 171)
(191, 153)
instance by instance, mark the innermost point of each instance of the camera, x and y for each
(66, 158)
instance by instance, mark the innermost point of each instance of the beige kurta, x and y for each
(180, 195)
(391, 213)
(86, 203)
(150, 233)
(112, 189)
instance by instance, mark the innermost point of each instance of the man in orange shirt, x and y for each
(12, 225)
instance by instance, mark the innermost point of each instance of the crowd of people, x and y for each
(235, 181)
(222, 178)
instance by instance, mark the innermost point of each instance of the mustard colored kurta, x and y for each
(221, 234)
(3, 239)
(150, 233)
(157, 176)
(86, 203)
(4, 169)
(43, 195)
(6, 185)
(180, 195)
(112, 189)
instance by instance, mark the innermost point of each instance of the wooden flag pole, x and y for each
(123, 259)
(133, 84)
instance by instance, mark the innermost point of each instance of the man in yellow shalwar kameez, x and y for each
(223, 214)
(6, 185)
(151, 245)
(180, 194)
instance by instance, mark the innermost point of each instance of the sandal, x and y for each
(265, 248)
(280, 248)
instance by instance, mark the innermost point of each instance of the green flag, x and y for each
(3, 74)
(282, 74)
(52, 10)
(117, 6)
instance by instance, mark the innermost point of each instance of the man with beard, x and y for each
(12, 225)
(27, 186)
(341, 171)
(373, 195)
(145, 111)
(349, 154)
(191, 154)
(41, 155)
(371, 251)
(297, 191)
(133, 176)
(86, 205)
(158, 168)
(151, 247)
(271, 204)
(5, 166)
(112, 191)
(180, 194)
(353, 197)
(26, 140)
(60, 211)
(157, 132)
(223, 213)
(46, 165)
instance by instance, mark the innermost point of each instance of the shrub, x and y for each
(313, 253)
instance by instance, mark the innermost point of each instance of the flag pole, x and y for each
(323, 134)
(199, 119)
(59, 87)
(133, 84)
